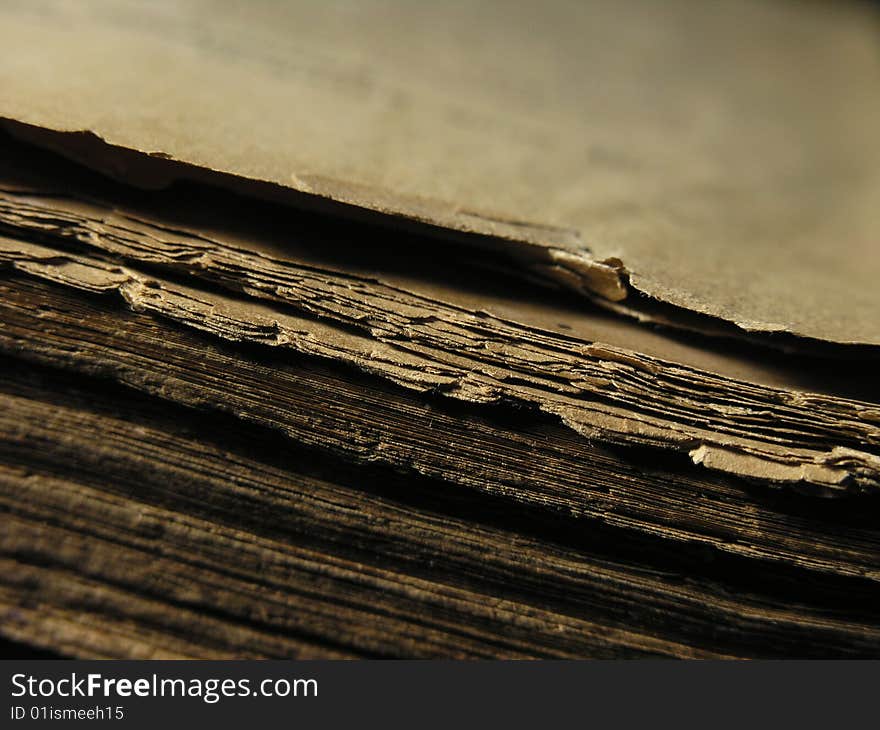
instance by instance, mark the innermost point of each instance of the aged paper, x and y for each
(718, 157)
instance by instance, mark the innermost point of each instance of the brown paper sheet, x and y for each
(718, 157)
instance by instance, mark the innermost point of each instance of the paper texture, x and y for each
(718, 157)
(607, 379)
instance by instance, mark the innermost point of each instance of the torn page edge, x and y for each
(824, 472)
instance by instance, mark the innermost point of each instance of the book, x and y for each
(485, 332)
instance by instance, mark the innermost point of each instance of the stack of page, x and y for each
(390, 329)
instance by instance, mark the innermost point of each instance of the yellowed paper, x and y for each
(720, 157)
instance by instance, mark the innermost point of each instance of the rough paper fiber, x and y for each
(626, 388)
